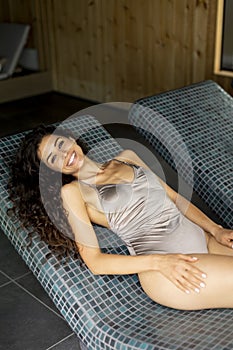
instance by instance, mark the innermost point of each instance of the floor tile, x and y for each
(70, 343)
(10, 261)
(46, 108)
(3, 279)
(30, 283)
(27, 324)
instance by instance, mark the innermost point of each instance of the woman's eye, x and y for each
(60, 144)
(53, 159)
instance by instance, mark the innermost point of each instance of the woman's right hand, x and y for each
(181, 271)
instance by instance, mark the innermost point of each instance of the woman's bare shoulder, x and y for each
(71, 189)
(131, 157)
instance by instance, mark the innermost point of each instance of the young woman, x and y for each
(183, 259)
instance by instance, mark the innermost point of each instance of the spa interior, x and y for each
(60, 57)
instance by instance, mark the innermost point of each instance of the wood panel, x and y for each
(109, 50)
(121, 50)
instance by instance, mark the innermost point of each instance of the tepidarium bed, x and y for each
(108, 312)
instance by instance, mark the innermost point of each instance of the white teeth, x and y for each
(71, 159)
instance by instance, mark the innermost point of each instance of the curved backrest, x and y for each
(192, 128)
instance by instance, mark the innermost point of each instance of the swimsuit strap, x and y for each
(125, 162)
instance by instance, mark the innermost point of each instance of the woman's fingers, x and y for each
(185, 275)
(193, 282)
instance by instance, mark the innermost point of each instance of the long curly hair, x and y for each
(35, 191)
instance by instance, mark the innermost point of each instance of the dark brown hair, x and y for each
(35, 191)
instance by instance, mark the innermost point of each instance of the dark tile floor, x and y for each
(28, 318)
(29, 112)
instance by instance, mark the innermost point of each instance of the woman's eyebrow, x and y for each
(55, 143)
(49, 156)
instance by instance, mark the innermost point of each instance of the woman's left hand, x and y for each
(224, 236)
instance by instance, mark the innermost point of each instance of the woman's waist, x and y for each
(128, 226)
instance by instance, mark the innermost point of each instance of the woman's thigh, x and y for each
(218, 292)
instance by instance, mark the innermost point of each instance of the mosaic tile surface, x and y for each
(109, 312)
(192, 128)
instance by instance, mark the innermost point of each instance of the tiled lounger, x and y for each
(109, 312)
(192, 128)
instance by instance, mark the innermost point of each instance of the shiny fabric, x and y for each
(145, 218)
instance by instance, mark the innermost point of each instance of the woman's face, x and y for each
(61, 154)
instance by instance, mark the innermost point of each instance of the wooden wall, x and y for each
(121, 50)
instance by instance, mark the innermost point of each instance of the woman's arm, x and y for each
(191, 211)
(87, 242)
(178, 268)
(223, 236)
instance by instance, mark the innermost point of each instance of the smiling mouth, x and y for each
(72, 159)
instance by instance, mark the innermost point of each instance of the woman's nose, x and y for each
(64, 153)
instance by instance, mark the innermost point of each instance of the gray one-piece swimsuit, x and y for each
(146, 219)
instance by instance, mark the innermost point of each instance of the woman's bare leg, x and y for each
(218, 292)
